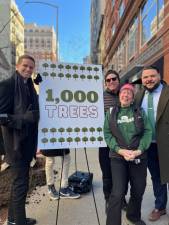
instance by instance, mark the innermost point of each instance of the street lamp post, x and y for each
(57, 15)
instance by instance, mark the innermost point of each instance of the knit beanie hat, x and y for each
(129, 87)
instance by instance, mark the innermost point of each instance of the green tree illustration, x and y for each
(45, 74)
(44, 141)
(96, 69)
(53, 66)
(89, 68)
(82, 68)
(77, 130)
(60, 66)
(53, 140)
(92, 139)
(92, 129)
(68, 76)
(68, 67)
(75, 76)
(69, 130)
(77, 140)
(96, 77)
(99, 129)
(100, 139)
(53, 130)
(45, 65)
(53, 75)
(44, 130)
(69, 140)
(85, 139)
(75, 67)
(89, 77)
(60, 75)
(84, 130)
(61, 130)
(61, 140)
(82, 76)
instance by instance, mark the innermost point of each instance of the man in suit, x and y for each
(158, 152)
(19, 115)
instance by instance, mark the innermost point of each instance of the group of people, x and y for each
(136, 130)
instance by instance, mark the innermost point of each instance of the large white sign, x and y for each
(71, 106)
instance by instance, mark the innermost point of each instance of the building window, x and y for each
(132, 38)
(121, 55)
(121, 9)
(113, 29)
(152, 17)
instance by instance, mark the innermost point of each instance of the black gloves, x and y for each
(31, 116)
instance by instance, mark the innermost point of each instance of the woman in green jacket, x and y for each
(128, 134)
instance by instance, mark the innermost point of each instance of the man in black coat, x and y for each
(158, 152)
(19, 115)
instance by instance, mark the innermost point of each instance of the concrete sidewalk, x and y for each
(82, 211)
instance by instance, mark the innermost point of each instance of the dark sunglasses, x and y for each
(111, 79)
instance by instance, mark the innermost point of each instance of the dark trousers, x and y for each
(105, 165)
(19, 189)
(121, 172)
(160, 191)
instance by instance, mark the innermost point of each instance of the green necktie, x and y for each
(150, 113)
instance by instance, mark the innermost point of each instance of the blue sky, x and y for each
(74, 25)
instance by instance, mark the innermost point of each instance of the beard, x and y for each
(153, 88)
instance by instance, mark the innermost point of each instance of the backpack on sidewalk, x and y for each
(80, 182)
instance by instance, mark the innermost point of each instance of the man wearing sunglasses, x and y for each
(112, 85)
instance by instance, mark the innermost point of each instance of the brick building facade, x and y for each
(136, 34)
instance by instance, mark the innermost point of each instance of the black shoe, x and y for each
(29, 221)
(139, 222)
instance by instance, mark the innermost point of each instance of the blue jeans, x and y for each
(160, 190)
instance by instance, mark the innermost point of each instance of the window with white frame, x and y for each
(121, 55)
(121, 9)
(113, 29)
(152, 17)
(132, 38)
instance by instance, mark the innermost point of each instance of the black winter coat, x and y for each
(20, 134)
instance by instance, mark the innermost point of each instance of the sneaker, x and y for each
(53, 194)
(68, 193)
(29, 221)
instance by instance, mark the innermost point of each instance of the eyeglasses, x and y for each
(111, 79)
